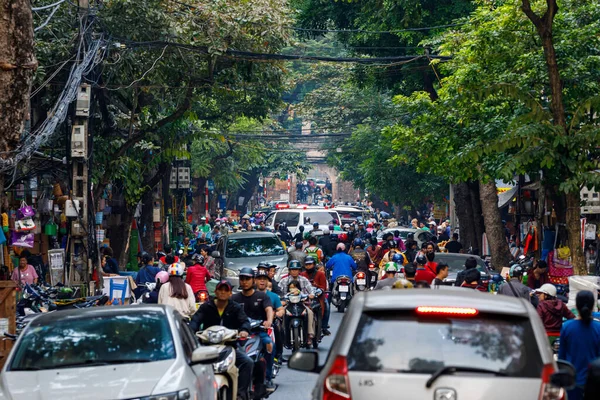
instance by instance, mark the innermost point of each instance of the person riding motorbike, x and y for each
(262, 283)
(375, 251)
(286, 235)
(223, 311)
(314, 250)
(327, 243)
(297, 253)
(305, 287)
(360, 256)
(197, 275)
(146, 274)
(318, 280)
(271, 271)
(423, 273)
(514, 287)
(341, 264)
(300, 235)
(258, 306)
(151, 297)
(176, 293)
(391, 270)
(552, 310)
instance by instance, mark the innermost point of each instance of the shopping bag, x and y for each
(25, 225)
(25, 211)
(23, 239)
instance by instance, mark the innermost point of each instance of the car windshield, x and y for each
(351, 215)
(502, 344)
(323, 218)
(254, 247)
(291, 218)
(99, 340)
(457, 264)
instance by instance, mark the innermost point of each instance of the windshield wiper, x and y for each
(449, 369)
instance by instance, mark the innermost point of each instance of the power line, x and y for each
(58, 3)
(47, 21)
(424, 28)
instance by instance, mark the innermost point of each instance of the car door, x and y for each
(204, 374)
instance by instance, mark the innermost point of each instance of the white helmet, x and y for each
(176, 269)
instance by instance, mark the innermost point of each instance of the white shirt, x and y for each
(186, 307)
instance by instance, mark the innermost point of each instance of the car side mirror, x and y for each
(565, 376)
(205, 355)
(305, 360)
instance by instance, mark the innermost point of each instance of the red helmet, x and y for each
(343, 237)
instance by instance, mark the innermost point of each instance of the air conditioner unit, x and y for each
(78, 141)
(173, 179)
(184, 177)
(84, 95)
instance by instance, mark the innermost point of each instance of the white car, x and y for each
(120, 352)
(304, 215)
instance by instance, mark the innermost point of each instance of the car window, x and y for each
(269, 220)
(457, 264)
(351, 215)
(290, 218)
(323, 218)
(187, 340)
(504, 344)
(254, 247)
(107, 339)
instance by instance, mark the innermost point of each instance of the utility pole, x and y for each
(79, 245)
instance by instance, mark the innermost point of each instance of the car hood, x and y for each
(110, 382)
(236, 264)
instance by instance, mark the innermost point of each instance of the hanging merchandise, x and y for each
(51, 229)
(23, 239)
(25, 211)
(63, 224)
(5, 227)
(25, 225)
(2, 237)
(590, 232)
(563, 253)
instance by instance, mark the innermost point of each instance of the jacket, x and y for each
(305, 285)
(552, 313)
(342, 264)
(328, 245)
(318, 280)
(362, 259)
(233, 317)
(460, 277)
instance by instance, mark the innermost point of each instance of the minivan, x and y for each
(294, 217)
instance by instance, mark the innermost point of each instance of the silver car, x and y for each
(121, 352)
(420, 235)
(437, 344)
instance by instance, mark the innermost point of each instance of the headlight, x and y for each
(216, 337)
(224, 365)
(229, 273)
(294, 299)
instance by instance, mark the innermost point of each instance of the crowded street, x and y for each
(299, 199)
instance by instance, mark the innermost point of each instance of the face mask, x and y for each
(430, 256)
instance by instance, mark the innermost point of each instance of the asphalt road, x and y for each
(298, 385)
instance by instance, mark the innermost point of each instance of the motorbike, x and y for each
(37, 299)
(372, 276)
(295, 322)
(226, 373)
(315, 306)
(257, 352)
(360, 281)
(342, 293)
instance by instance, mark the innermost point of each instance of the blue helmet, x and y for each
(358, 242)
(397, 258)
(247, 271)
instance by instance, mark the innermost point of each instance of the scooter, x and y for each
(226, 373)
(372, 276)
(295, 321)
(315, 306)
(360, 281)
(342, 293)
(257, 352)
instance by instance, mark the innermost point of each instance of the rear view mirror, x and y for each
(565, 376)
(305, 360)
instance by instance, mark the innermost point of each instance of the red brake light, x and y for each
(371, 267)
(456, 311)
(337, 383)
(203, 296)
(360, 275)
(548, 391)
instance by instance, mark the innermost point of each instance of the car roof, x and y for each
(460, 297)
(248, 235)
(457, 255)
(104, 312)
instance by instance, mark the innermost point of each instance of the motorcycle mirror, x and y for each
(305, 360)
(215, 254)
(565, 376)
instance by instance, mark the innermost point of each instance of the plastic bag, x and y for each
(25, 225)
(23, 239)
(26, 211)
(578, 283)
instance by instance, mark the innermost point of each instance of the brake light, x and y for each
(337, 383)
(548, 391)
(371, 267)
(360, 275)
(203, 297)
(456, 311)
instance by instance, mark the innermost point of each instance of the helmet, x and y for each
(358, 242)
(403, 284)
(163, 276)
(176, 269)
(309, 260)
(199, 258)
(160, 254)
(298, 245)
(516, 271)
(497, 278)
(247, 271)
(146, 258)
(548, 289)
(306, 236)
(421, 259)
(294, 264)
(368, 236)
(392, 244)
(331, 227)
(410, 236)
(262, 265)
(341, 247)
(343, 237)
(391, 267)
(410, 269)
(316, 224)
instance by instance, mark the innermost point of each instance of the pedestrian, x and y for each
(473, 280)
(442, 270)
(470, 263)
(454, 246)
(176, 293)
(539, 275)
(111, 266)
(25, 273)
(147, 274)
(580, 342)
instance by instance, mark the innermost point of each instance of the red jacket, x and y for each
(552, 313)
(196, 277)
(423, 274)
(318, 280)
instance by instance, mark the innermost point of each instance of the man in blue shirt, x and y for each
(262, 283)
(147, 274)
(341, 263)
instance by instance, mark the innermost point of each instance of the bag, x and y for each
(23, 239)
(25, 225)
(26, 211)
(51, 229)
(2, 237)
(563, 253)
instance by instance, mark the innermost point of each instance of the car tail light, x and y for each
(337, 383)
(548, 391)
(360, 275)
(454, 311)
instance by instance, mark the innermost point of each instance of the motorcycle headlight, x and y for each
(229, 273)
(294, 299)
(216, 337)
(223, 365)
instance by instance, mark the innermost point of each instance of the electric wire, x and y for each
(58, 3)
(47, 21)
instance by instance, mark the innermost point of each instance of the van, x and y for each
(294, 217)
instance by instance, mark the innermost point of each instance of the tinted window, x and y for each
(499, 344)
(290, 218)
(80, 342)
(254, 247)
(457, 264)
(269, 220)
(323, 218)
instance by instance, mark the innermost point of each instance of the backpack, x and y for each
(313, 251)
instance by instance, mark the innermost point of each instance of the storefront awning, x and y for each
(505, 197)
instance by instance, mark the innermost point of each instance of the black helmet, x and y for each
(316, 224)
(309, 260)
(199, 258)
(358, 242)
(410, 270)
(294, 264)
(160, 254)
(299, 245)
(410, 236)
(262, 265)
(247, 271)
(421, 259)
(146, 258)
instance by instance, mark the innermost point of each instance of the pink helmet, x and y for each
(163, 276)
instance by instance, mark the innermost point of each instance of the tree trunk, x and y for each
(464, 212)
(147, 222)
(574, 229)
(478, 222)
(17, 66)
(246, 191)
(493, 225)
(125, 227)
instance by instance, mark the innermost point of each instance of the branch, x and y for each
(550, 13)
(229, 153)
(162, 169)
(537, 21)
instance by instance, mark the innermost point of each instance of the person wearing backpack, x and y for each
(313, 250)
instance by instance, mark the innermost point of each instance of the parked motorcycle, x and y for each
(226, 373)
(342, 293)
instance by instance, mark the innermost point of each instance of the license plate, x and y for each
(343, 288)
(372, 279)
(361, 281)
